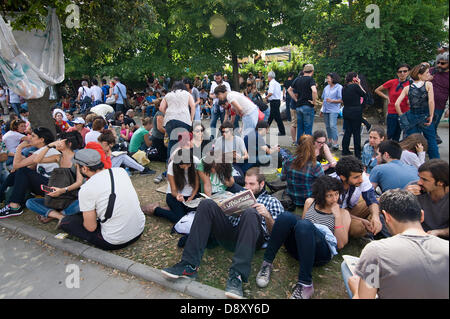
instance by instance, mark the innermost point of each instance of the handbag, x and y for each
(61, 178)
(285, 200)
(111, 100)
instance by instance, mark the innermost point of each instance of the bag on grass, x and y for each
(285, 200)
(184, 224)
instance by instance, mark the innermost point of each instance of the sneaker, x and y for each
(8, 211)
(147, 171)
(302, 292)
(263, 276)
(234, 286)
(438, 140)
(182, 269)
(158, 179)
(335, 147)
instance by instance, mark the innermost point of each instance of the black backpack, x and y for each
(61, 178)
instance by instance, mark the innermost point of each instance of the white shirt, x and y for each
(48, 167)
(85, 91)
(275, 89)
(92, 136)
(127, 220)
(3, 95)
(12, 140)
(96, 92)
(364, 187)
(413, 159)
(187, 190)
(60, 111)
(102, 109)
(13, 97)
(178, 107)
(246, 104)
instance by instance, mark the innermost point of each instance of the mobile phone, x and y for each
(47, 189)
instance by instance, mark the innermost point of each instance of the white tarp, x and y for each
(32, 60)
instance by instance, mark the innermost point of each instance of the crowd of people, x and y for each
(387, 193)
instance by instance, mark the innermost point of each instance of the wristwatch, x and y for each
(67, 189)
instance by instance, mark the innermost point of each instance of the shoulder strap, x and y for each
(111, 201)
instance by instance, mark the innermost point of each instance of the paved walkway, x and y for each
(30, 270)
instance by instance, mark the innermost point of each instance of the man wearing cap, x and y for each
(217, 110)
(106, 231)
(306, 88)
(79, 125)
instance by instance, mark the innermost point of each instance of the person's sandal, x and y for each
(44, 220)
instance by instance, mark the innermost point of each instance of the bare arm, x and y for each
(291, 93)
(207, 187)
(163, 106)
(430, 102)
(400, 100)
(90, 220)
(160, 124)
(380, 90)
(192, 105)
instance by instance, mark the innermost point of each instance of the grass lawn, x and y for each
(158, 248)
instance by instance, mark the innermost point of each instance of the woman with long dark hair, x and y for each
(332, 99)
(312, 239)
(414, 149)
(301, 171)
(351, 95)
(182, 187)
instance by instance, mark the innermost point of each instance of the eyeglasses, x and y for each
(403, 71)
(198, 131)
(321, 143)
(225, 131)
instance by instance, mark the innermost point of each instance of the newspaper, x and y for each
(351, 262)
(231, 204)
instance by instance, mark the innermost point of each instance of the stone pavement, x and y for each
(33, 270)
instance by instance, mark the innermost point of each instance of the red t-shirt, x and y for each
(391, 86)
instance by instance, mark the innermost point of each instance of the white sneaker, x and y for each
(263, 276)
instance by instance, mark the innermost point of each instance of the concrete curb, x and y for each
(186, 286)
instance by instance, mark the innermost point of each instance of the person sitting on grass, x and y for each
(216, 175)
(29, 174)
(410, 265)
(311, 239)
(107, 140)
(322, 151)
(392, 173)
(105, 223)
(414, 148)
(141, 138)
(301, 170)
(243, 235)
(359, 198)
(98, 125)
(67, 145)
(369, 152)
(182, 187)
(432, 191)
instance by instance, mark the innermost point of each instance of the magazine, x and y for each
(231, 204)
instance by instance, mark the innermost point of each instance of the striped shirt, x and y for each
(317, 217)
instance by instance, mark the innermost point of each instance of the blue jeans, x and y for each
(249, 122)
(302, 240)
(437, 118)
(266, 114)
(416, 123)
(215, 115)
(305, 120)
(346, 274)
(37, 206)
(331, 125)
(393, 127)
(16, 108)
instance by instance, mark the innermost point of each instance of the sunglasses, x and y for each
(402, 71)
(443, 63)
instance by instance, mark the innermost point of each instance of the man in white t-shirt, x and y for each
(359, 198)
(123, 224)
(217, 111)
(96, 93)
(274, 98)
(3, 100)
(84, 95)
(14, 100)
(240, 104)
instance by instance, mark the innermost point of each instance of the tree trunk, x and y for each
(41, 112)
(235, 63)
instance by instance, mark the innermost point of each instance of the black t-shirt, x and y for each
(128, 120)
(302, 86)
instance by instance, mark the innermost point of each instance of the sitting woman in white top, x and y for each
(414, 148)
(242, 105)
(183, 186)
(121, 218)
(97, 128)
(29, 174)
(13, 138)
